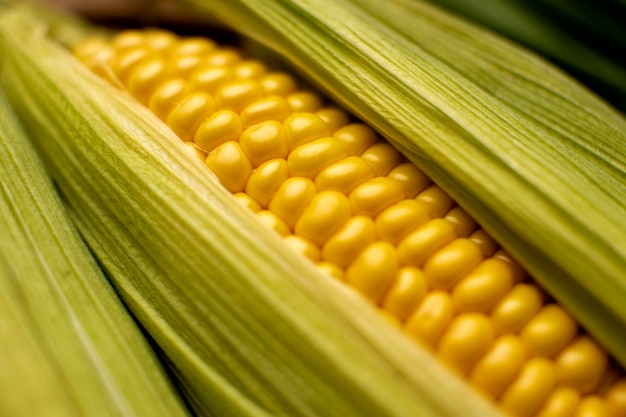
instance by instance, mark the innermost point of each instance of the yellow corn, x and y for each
(351, 203)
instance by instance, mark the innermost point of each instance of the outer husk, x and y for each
(250, 328)
(68, 345)
(537, 159)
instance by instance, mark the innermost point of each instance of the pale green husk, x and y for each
(537, 159)
(68, 345)
(250, 328)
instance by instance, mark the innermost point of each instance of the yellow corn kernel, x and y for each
(382, 157)
(465, 341)
(412, 179)
(125, 63)
(128, 39)
(395, 222)
(615, 399)
(145, 79)
(331, 269)
(356, 137)
(373, 270)
(265, 180)
(247, 201)
(343, 247)
(303, 246)
(264, 141)
(530, 388)
(517, 307)
(591, 406)
(485, 242)
(273, 222)
(463, 223)
(277, 83)
(561, 403)
(222, 126)
(237, 94)
(448, 265)
(519, 274)
(581, 364)
(431, 317)
(375, 195)
(328, 211)
(391, 319)
(311, 158)
(293, 196)
(304, 101)
(191, 46)
(435, 200)
(185, 118)
(250, 68)
(231, 165)
(302, 128)
(186, 65)
(344, 175)
(164, 41)
(223, 57)
(196, 151)
(265, 109)
(334, 117)
(496, 369)
(91, 47)
(483, 287)
(549, 331)
(166, 96)
(421, 243)
(408, 289)
(209, 79)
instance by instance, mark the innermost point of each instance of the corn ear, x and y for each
(537, 159)
(68, 345)
(250, 329)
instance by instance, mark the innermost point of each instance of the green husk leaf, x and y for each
(537, 159)
(250, 328)
(68, 345)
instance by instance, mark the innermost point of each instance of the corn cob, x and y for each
(351, 203)
(566, 396)
(68, 346)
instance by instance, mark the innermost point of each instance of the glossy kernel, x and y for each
(530, 388)
(166, 96)
(616, 399)
(304, 101)
(356, 137)
(185, 118)
(421, 243)
(145, 79)
(334, 118)
(591, 406)
(382, 157)
(250, 68)
(375, 195)
(408, 289)
(450, 263)
(303, 246)
(220, 127)
(231, 166)
(342, 247)
(265, 109)
(485, 242)
(302, 128)
(549, 331)
(518, 306)
(463, 223)
(435, 200)
(266, 179)
(235, 95)
(248, 202)
(412, 179)
(397, 221)
(210, 79)
(328, 211)
(465, 340)
(310, 159)
(581, 364)
(496, 369)
(277, 83)
(344, 175)
(373, 270)
(264, 141)
(561, 403)
(481, 289)
(331, 269)
(431, 317)
(273, 222)
(293, 196)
